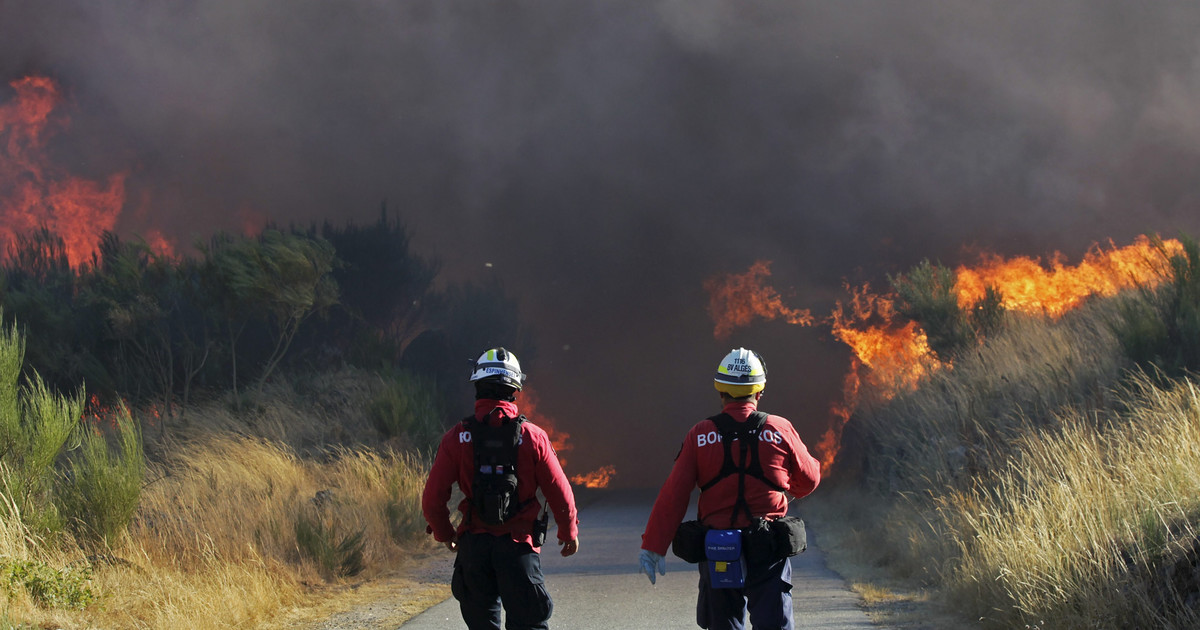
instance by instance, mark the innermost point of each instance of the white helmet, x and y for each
(498, 365)
(742, 372)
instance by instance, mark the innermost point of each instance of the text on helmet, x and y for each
(739, 365)
(496, 370)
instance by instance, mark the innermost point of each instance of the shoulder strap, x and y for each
(495, 442)
(497, 445)
(746, 434)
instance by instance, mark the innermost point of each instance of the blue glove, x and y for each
(650, 561)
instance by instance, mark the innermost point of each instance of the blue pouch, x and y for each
(726, 563)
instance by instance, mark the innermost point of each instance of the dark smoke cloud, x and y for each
(606, 156)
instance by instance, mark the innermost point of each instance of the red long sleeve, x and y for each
(785, 461)
(537, 468)
(556, 488)
(438, 486)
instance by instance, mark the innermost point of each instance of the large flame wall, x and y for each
(893, 354)
(603, 158)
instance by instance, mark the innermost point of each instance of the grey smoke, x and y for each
(609, 155)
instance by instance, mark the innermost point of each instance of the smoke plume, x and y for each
(607, 156)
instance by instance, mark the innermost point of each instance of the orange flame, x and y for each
(1029, 287)
(737, 299)
(893, 356)
(827, 448)
(528, 403)
(896, 355)
(33, 193)
(599, 478)
(159, 243)
(98, 414)
(890, 356)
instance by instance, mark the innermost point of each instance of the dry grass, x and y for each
(1036, 484)
(863, 539)
(214, 543)
(1083, 525)
(959, 423)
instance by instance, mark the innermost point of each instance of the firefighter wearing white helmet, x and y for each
(741, 373)
(500, 366)
(500, 462)
(746, 464)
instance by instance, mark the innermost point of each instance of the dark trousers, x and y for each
(767, 595)
(493, 569)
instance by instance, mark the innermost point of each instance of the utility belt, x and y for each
(763, 542)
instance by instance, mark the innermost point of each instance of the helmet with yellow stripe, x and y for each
(499, 366)
(741, 373)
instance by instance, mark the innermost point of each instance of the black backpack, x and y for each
(494, 489)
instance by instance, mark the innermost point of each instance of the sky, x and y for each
(602, 158)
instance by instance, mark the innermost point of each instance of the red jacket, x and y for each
(784, 459)
(537, 467)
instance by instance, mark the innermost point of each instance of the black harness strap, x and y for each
(746, 434)
(492, 446)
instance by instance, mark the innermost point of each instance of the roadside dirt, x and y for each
(382, 602)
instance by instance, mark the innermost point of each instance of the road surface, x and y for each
(599, 587)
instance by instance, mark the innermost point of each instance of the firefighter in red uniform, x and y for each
(499, 563)
(786, 469)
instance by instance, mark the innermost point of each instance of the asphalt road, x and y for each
(599, 587)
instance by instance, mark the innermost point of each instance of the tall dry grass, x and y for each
(1093, 524)
(214, 540)
(1037, 483)
(962, 422)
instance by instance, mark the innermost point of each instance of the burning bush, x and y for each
(1040, 482)
(1159, 326)
(928, 295)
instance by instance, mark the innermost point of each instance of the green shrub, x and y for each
(1142, 330)
(987, 315)
(1160, 326)
(403, 510)
(408, 406)
(100, 490)
(404, 518)
(405, 480)
(35, 426)
(334, 554)
(48, 587)
(927, 296)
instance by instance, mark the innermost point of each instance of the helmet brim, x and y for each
(739, 391)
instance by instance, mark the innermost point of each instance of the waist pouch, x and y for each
(726, 563)
(789, 536)
(760, 542)
(763, 541)
(688, 544)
